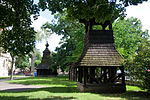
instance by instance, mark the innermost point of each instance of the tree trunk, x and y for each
(12, 67)
(33, 58)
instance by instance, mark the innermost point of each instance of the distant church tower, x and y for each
(44, 68)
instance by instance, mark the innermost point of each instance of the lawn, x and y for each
(60, 88)
(14, 76)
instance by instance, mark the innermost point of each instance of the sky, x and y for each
(54, 39)
(141, 11)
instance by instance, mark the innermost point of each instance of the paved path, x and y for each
(4, 86)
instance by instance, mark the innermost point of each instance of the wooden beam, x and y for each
(105, 75)
(123, 75)
(85, 76)
(92, 74)
(79, 74)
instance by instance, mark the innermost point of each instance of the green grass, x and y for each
(59, 88)
(13, 76)
(3, 78)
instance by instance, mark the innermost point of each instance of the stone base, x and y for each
(102, 88)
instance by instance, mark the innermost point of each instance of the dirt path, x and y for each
(4, 86)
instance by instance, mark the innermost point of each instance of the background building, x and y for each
(5, 63)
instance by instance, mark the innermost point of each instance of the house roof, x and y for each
(100, 50)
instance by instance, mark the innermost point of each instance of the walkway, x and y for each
(4, 86)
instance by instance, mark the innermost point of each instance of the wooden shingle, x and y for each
(100, 50)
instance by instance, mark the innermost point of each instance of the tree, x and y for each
(17, 36)
(38, 57)
(99, 10)
(22, 62)
(128, 34)
(139, 65)
(71, 42)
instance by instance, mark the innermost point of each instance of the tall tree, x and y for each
(17, 36)
(128, 34)
(85, 10)
(71, 42)
(139, 65)
(100, 10)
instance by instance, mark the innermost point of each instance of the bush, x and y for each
(139, 65)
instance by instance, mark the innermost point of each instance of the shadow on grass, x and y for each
(27, 98)
(69, 87)
(130, 95)
(48, 89)
(58, 80)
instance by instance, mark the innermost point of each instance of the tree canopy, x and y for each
(22, 62)
(128, 34)
(100, 10)
(71, 42)
(139, 65)
(17, 36)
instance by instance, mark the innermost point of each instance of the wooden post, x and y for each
(123, 75)
(92, 74)
(112, 72)
(75, 74)
(80, 74)
(105, 75)
(85, 76)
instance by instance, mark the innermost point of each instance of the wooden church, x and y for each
(96, 69)
(45, 68)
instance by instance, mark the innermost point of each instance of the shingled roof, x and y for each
(100, 50)
(45, 63)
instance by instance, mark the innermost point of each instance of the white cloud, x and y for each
(142, 12)
(38, 23)
(53, 40)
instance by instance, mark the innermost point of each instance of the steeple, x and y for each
(47, 45)
(46, 52)
(45, 68)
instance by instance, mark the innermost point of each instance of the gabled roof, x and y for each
(100, 50)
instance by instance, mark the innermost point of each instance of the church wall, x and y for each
(5, 64)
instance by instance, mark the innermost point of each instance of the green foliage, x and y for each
(37, 62)
(140, 63)
(71, 42)
(22, 62)
(17, 37)
(17, 11)
(37, 54)
(128, 35)
(100, 10)
(43, 35)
